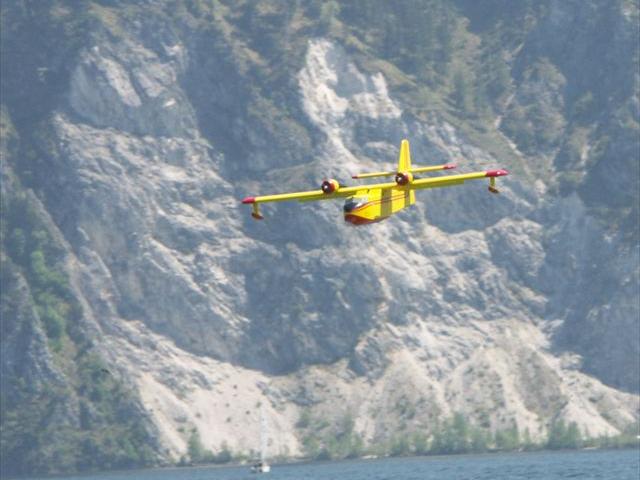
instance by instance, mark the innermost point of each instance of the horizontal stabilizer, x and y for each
(434, 168)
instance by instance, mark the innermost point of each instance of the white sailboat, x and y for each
(262, 466)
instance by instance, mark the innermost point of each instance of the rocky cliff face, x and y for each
(517, 310)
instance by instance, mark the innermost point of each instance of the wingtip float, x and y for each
(492, 174)
(365, 204)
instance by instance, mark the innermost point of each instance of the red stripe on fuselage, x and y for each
(357, 221)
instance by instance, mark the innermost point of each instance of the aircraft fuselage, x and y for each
(375, 205)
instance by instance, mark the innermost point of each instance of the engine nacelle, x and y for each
(403, 178)
(330, 186)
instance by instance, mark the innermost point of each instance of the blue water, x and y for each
(580, 465)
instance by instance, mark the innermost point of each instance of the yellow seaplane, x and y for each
(366, 204)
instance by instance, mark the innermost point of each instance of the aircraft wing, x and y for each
(313, 195)
(449, 180)
(330, 190)
(302, 196)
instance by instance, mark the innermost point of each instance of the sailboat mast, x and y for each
(263, 435)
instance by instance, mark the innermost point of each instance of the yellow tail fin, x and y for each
(404, 159)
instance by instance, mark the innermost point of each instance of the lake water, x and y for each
(579, 465)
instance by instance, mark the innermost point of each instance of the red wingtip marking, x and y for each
(496, 173)
(449, 166)
(249, 200)
(354, 176)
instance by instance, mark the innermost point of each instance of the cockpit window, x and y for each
(354, 202)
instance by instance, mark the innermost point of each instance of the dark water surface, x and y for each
(579, 465)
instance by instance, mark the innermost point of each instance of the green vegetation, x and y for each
(627, 439)
(85, 419)
(454, 435)
(323, 441)
(198, 455)
(563, 436)
(32, 249)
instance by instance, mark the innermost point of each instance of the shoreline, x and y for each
(364, 458)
